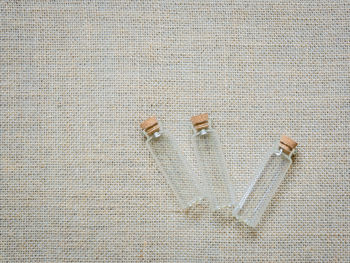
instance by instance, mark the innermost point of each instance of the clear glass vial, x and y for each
(211, 161)
(264, 185)
(171, 163)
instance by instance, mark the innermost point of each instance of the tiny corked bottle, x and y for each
(265, 183)
(211, 161)
(171, 163)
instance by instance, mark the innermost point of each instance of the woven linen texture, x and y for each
(77, 78)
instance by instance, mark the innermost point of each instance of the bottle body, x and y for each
(211, 161)
(174, 167)
(263, 186)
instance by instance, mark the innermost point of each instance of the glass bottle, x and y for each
(264, 185)
(171, 163)
(211, 161)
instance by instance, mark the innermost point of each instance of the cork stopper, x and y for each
(150, 126)
(200, 121)
(287, 144)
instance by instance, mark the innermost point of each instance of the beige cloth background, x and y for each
(77, 78)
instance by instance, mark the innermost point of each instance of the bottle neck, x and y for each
(279, 152)
(154, 135)
(201, 130)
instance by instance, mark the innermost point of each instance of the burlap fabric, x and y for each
(77, 78)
